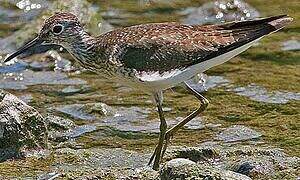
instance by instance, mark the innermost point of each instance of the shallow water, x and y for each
(258, 89)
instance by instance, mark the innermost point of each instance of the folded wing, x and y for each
(169, 46)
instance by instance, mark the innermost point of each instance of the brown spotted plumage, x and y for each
(154, 57)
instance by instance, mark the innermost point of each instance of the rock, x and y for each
(70, 90)
(21, 127)
(61, 136)
(27, 98)
(234, 160)
(48, 176)
(89, 111)
(96, 158)
(78, 131)
(192, 153)
(254, 167)
(261, 94)
(179, 162)
(220, 11)
(238, 133)
(291, 45)
(197, 171)
(194, 124)
(56, 122)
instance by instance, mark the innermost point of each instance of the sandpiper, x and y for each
(154, 57)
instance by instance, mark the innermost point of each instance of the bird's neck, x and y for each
(85, 50)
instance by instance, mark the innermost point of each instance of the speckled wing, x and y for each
(169, 46)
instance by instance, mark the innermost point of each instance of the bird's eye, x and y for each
(57, 29)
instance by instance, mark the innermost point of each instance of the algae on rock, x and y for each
(21, 127)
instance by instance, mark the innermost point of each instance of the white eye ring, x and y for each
(57, 29)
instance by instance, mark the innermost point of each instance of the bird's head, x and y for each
(61, 29)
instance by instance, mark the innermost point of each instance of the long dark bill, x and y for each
(23, 49)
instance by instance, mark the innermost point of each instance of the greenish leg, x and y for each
(204, 103)
(157, 155)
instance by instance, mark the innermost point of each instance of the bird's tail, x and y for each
(273, 23)
(278, 22)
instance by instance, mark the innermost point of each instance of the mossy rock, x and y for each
(21, 127)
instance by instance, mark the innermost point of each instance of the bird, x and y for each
(154, 57)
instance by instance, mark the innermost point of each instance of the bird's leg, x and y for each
(163, 128)
(203, 104)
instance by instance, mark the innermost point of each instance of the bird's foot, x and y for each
(167, 141)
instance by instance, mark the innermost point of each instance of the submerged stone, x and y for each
(56, 122)
(260, 94)
(70, 90)
(238, 133)
(89, 111)
(291, 45)
(21, 127)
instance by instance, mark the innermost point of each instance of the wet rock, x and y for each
(27, 98)
(254, 167)
(291, 45)
(197, 171)
(78, 131)
(76, 111)
(70, 90)
(192, 153)
(219, 11)
(29, 78)
(61, 136)
(56, 122)
(195, 124)
(48, 176)
(238, 133)
(130, 119)
(96, 158)
(179, 162)
(252, 161)
(126, 119)
(21, 127)
(89, 111)
(260, 94)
